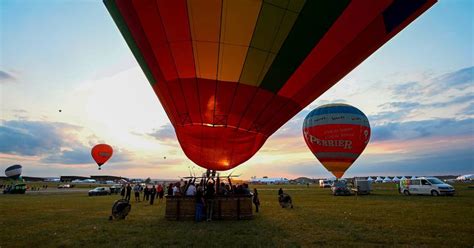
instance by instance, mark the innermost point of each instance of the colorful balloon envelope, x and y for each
(101, 153)
(14, 171)
(229, 73)
(336, 134)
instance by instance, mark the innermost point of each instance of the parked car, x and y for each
(99, 191)
(64, 186)
(426, 186)
(325, 183)
(340, 188)
(115, 189)
(361, 187)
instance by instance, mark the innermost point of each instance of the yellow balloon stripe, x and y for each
(221, 33)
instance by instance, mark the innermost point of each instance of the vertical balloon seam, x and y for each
(182, 121)
(332, 43)
(274, 48)
(191, 28)
(218, 60)
(183, 113)
(188, 11)
(196, 41)
(252, 45)
(304, 13)
(254, 126)
(281, 36)
(247, 45)
(166, 83)
(123, 28)
(238, 81)
(170, 111)
(302, 38)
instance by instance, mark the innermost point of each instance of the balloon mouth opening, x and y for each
(218, 147)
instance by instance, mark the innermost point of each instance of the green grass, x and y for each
(384, 218)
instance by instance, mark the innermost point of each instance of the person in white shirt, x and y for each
(176, 190)
(191, 190)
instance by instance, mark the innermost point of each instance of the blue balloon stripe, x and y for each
(335, 109)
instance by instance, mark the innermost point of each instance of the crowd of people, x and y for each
(203, 193)
(150, 192)
(32, 188)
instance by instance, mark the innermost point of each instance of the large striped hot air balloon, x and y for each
(336, 134)
(229, 73)
(14, 171)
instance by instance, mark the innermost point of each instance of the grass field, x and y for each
(384, 218)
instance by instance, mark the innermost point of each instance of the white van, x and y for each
(324, 183)
(425, 186)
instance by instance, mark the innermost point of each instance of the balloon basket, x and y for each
(237, 207)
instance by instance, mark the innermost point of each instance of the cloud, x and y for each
(53, 142)
(469, 110)
(32, 138)
(400, 105)
(164, 133)
(408, 89)
(78, 155)
(421, 129)
(443, 162)
(388, 116)
(459, 79)
(82, 155)
(5, 77)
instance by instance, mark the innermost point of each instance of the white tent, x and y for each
(370, 179)
(387, 180)
(465, 177)
(396, 179)
(413, 177)
(378, 180)
(403, 178)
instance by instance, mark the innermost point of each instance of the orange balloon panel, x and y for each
(230, 71)
(101, 153)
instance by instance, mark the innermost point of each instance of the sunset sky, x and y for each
(417, 91)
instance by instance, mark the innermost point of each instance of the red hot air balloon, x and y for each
(336, 134)
(101, 153)
(229, 73)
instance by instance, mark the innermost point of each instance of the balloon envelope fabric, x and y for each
(229, 73)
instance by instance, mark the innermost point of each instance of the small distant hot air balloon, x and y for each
(101, 153)
(336, 134)
(13, 172)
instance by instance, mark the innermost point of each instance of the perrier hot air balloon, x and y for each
(229, 73)
(336, 134)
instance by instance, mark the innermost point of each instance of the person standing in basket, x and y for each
(199, 200)
(209, 200)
